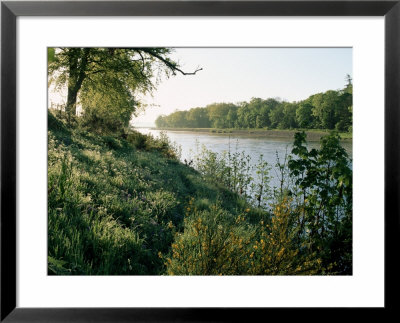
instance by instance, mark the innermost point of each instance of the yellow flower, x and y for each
(280, 253)
(247, 210)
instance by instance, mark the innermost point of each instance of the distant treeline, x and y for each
(329, 110)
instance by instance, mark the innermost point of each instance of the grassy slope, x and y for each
(112, 207)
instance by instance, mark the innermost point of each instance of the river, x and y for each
(253, 146)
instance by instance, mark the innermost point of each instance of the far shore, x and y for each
(273, 133)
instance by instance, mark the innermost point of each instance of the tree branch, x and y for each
(172, 66)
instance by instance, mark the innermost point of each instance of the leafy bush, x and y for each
(323, 191)
(318, 184)
(213, 243)
(276, 252)
(216, 242)
(137, 139)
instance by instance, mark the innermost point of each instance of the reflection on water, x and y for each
(270, 148)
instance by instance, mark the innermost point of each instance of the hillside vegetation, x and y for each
(115, 203)
(123, 204)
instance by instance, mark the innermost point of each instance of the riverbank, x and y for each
(116, 205)
(312, 135)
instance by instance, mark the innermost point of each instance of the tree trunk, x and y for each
(78, 60)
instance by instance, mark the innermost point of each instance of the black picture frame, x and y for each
(10, 10)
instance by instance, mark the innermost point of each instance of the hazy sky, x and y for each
(238, 74)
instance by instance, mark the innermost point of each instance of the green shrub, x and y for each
(213, 243)
(112, 142)
(137, 139)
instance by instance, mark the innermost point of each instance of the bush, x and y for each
(161, 144)
(213, 243)
(216, 242)
(137, 139)
(276, 252)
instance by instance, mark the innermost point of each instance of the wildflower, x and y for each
(280, 253)
(247, 210)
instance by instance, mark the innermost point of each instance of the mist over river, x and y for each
(254, 146)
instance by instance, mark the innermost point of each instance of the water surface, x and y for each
(254, 146)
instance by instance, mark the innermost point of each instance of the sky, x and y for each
(234, 75)
(239, 74)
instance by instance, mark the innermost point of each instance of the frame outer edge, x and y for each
(8, 161)
(8, 158)
(203, 8)
(392, 152)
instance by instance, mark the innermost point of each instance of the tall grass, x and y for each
(125, 205)
(114, 203)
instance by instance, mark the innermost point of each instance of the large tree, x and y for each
(136, 69)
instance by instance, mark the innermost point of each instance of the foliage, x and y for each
(123, 204)
(315, 196)
(105, 80)
(216, 243)
(324, 191)
(212, 244)
(329, 110)
(113, 206)
(276, 252)
(232, 169)
(107, 105)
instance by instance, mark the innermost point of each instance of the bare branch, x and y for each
(171, 65)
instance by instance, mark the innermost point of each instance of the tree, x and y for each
(325, 105)
(218, 113)
(161, 122)
(246, 116)
(85, 67)
(328, 110)
(276, 116)
(231, 117)
(304, 115)
(289, 116)
(349, 85)
(107, 109)
(256, 113)
(266, 107)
